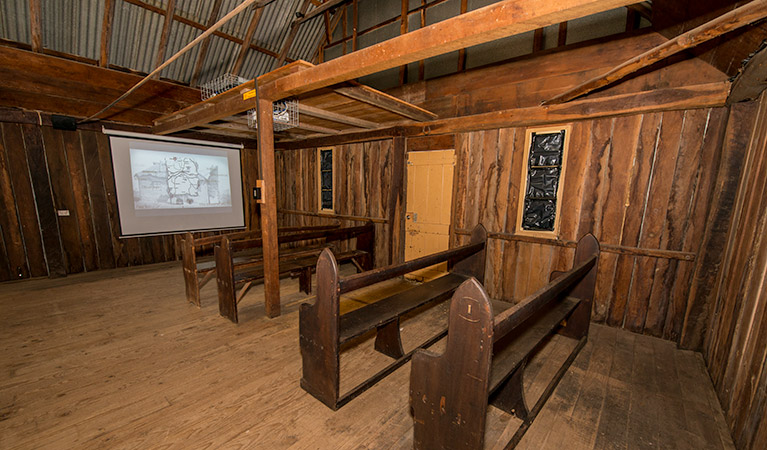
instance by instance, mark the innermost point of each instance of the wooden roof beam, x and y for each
(385, 101)
(291, 35)
(106, 32)
(737, 18)
(36, 25)
(199, 26)
(165, 34)
(669, 99)
(237, 67)
(327, 6)
(505, 18)
(205, 44)
(335, 117)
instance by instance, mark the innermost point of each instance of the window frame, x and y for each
(567, 128)
(320, 209)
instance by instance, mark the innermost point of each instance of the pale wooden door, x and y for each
(427, 217)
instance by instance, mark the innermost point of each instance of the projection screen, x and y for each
(168, 185)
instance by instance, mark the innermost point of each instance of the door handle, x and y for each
(411, 216)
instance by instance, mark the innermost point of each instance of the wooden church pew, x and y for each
(234, 277)
(487, 348)
(323, 330)
(199, 269)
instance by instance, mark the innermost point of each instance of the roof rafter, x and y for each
(237, 67)
(165, 33)
(291, 35)
(106, 32)
(199, 26)
(206, 43)
(36, 25)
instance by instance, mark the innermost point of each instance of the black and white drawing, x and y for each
(165, 180)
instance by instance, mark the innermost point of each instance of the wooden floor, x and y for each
(119, 359)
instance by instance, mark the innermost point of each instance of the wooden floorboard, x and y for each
(119, 359)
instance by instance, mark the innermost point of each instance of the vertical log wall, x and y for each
(642, 184)
(362, 173)
(43, 170)
(735, 346)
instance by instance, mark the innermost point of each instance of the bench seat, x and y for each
(294, 264)
(358, 322)
(526, 340)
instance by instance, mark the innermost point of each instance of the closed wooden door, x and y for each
(427, 217)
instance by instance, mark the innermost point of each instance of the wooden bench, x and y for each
(234, 278)
(323, 330)
(487, 351)
(199, 269)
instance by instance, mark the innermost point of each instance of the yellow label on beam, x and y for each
(250, 94)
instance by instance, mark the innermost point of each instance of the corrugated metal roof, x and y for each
(14, 21)
(74, 27)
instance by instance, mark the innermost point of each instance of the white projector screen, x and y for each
(167, 187)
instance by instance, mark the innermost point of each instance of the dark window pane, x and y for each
(327, 180)
(327, 199)
(326, 160)
(542, 183)
(546, 149)
(539, 215)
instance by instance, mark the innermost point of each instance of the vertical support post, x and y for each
(269, 207)
(397, 202)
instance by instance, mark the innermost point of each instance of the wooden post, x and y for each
(397, 202)
(269, 207)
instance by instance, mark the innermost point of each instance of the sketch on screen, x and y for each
(166, 180)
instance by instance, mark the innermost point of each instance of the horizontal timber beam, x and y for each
(617, 249)
(335, 117)
(505, 18)
(385, 101)
(229, 103)
(737, 18)
(679, 98)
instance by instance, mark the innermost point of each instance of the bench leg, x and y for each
(305, 280)
(510, 397)
(388, 339)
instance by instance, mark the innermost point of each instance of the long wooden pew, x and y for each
(199, 270)
(323, 330)
(234, 278)
(488, 345)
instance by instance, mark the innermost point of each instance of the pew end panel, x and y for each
(227, 299)
(474, 265)
(318, 335)
(443, 386)
(189, 263)
(463, 369)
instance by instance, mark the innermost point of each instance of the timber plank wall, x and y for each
(735, 346)
(362, 179)
(43, 170)
(647, 185)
